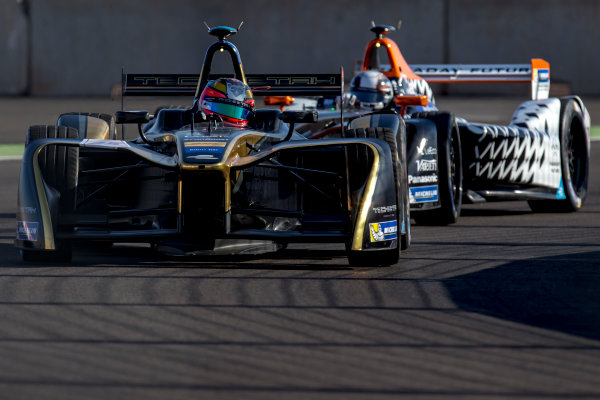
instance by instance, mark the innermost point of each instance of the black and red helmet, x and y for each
(230, 98)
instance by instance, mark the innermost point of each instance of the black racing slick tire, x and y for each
(574, 161)
(58, 163)
(358, 156)
(59, 168)
(450, 172)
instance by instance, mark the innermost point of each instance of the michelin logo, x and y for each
(381, 231)
(423, 194)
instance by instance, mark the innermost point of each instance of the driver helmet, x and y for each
(229, 98)
(372, 89)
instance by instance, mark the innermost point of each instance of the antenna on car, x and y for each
(207, 27)
(240, 27)
(382, 30)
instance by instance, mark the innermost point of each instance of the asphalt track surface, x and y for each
(503, 304)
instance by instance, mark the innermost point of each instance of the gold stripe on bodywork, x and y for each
(179, 196)
(49, 243)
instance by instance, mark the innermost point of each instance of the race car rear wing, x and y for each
(538, 73)
(261, 84)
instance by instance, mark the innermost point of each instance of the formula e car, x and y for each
(217, 178)
(542, 156)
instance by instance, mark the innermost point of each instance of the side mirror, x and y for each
(132, 117)
(299, 116)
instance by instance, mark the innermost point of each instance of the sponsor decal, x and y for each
(422, 179)
(205, 144)
(203, 157)
(27, 230)
(560, 193)
(109, 144)
(543, 75)
(384, 209)
(28, 210)
(423, 194)
(421, 146)
(473, 69)
(381, 231)
(203, 149)
(426, 165)
(429, 151)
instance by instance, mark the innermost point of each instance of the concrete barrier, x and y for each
(79, 48)
(13, 48)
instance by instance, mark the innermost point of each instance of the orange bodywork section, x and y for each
(398, 65)
(538, 63)
(280, 101)
(405, 100)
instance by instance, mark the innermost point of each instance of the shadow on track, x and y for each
(491, 212)
(139, 256)
(559, 293)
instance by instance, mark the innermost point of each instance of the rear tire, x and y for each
(361, 157)
(450, 172)
(59, 164)
(85, 131)
(574, 161)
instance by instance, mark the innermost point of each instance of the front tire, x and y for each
(450, 172)
(59, 167)
(377, 257)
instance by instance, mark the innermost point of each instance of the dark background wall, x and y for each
(73, 47)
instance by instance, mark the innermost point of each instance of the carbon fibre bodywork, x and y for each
(166, 195)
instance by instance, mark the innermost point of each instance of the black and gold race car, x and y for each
(217, 177)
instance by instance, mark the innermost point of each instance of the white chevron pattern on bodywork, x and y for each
(403, 85)
(525, 152)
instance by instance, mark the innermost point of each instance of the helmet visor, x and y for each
(369, 96)
(227, 108)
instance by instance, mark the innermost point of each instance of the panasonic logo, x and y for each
(422, 179)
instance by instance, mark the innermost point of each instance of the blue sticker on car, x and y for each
(27, 230)
(560, 192)
(203, 150)
(423, 194)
